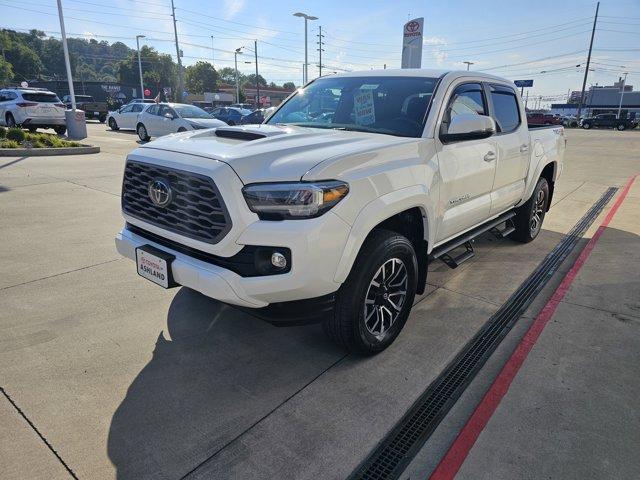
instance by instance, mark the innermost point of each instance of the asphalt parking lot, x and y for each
(108, 376)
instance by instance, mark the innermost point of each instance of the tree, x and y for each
(158, 69)
(6, 72)
(250, 80)
(228, 75)
(200, 78)
(290, 86)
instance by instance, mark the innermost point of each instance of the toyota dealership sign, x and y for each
(412, 43)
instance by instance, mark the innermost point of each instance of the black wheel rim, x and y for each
(537, 214)
(386, 295)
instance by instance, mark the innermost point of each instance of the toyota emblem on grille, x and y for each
(160, 192)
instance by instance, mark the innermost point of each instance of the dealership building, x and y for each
(603, 99)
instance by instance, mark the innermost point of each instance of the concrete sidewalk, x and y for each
(573, 409)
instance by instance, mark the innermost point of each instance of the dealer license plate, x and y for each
(155, 265)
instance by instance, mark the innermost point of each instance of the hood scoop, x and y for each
(239, 134)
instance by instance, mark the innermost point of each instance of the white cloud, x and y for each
(434, 41)
(232, 8)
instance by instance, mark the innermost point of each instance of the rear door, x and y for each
(150, 120)
(467, 167)
(512, 147)
(130, 117)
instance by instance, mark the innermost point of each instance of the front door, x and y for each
(512, 148)
(467, 167)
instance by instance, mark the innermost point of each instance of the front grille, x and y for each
(195, 211)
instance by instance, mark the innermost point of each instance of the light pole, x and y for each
(468, 65)
(213, 59)
(622, 94)
(235, 60)
(306, 54)
(138, 37)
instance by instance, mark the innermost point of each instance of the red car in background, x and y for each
(543, 119)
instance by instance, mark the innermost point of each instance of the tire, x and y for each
(113, 125)
(182, 129)
(362, 308)
(529, 217)
(60, 130)
(621, 127)
(102, 118)
(586, 126)
(32, 129)
(142, 132)
(231, 123)
(10, 121)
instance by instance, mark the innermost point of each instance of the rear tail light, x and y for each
(27, 104)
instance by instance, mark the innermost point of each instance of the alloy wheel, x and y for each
(537, 214)
(385, 297)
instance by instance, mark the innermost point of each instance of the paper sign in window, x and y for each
(363, 106)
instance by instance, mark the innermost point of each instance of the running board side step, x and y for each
(443, 252)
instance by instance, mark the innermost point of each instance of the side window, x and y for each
(136, 108)
(126, 109)
(152, 110)
(467, 98)
(505, 108)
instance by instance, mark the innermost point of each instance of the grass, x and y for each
(12, 139)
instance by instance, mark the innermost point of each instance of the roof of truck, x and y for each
(417, 72)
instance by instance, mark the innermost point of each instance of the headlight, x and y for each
(295, 200)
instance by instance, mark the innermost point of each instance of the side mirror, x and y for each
(169, 115)
(469, 126)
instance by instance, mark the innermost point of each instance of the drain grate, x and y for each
(393, 454)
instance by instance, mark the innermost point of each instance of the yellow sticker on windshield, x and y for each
(364, 108)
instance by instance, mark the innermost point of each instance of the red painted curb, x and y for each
(457, 453)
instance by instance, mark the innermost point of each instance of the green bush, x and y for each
(9, 143)
(16, 134)
(3, 132)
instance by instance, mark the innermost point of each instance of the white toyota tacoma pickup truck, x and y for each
(331, 209)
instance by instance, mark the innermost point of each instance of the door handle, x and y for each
(490, 156)
(524, 148)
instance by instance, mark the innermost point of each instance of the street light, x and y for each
(622, 94)
(138, 37)
(235, 59)
(306, 60)
(468, 65)
(213, 53)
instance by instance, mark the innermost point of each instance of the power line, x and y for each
(200, 14)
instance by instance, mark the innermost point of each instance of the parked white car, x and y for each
(32, 108)
(331, 210)
(126, 117)
(165, 118)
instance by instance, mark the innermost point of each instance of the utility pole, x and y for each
(526, 100)
(235, 59)
(178, 95)
(468, 65)
(586, 70)
(255, 50)
(624, 82)
(213, 57)
(138, 37)
(320, 50)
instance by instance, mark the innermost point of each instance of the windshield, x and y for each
(191, 111)
(389, 105)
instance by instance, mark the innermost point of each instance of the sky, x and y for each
(542, 40)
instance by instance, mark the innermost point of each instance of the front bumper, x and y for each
(316, 247)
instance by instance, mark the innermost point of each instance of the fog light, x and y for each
(278, 260)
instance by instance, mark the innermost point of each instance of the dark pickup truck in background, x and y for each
(608, 120)
(91, 108)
